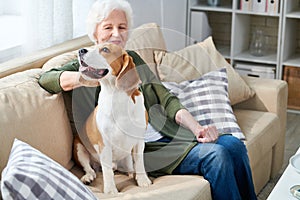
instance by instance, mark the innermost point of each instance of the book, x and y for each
(246, 5)
(272, 6)
(259, 6)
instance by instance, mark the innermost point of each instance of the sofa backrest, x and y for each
(37, 59)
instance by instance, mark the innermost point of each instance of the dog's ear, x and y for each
(128, 78)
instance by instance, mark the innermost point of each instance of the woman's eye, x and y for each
(107, 27)
(105, 49)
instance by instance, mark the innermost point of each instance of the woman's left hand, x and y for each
(206, 134)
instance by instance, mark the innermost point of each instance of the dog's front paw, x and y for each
(143, 180)
(130, 174)
(111, 189)
(88, 177)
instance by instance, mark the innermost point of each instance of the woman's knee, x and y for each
(232, 144)
(218, 155)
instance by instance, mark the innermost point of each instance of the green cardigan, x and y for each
(160, 157)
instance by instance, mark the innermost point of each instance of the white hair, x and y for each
(101, 9)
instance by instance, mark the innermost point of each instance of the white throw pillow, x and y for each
(207, 100)
(30, 174)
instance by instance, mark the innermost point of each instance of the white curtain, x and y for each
(80, 10)
(47, 22)
(50, 22)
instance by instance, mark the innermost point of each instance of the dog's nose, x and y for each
(82, 51)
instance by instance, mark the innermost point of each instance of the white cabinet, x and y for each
(170, 15)
(233, 22)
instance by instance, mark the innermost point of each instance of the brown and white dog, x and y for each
(117, 126)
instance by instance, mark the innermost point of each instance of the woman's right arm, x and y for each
(61, 79)
(65, 78)
(69, 80)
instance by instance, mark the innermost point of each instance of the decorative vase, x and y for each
(213, 2)
(258, 43)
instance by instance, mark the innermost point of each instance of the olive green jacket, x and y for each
(162, 106)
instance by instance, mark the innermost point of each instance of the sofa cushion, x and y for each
(164, 188)
(32, 115)
(167, 187)
(146, 39)
(207, 100)
(30, 174)
(196, 60)
(62, 59)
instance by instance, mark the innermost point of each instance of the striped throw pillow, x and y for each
(30, 174)
(207, 100)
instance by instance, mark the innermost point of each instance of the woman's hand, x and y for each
(70, 80)
(203, 134)
(206, 134)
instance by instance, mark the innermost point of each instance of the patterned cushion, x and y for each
(207, 100)
(30, 174)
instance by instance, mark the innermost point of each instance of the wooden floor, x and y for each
(292, 143)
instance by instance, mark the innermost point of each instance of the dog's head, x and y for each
(111, 62)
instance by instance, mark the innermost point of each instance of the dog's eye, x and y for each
(105, 49)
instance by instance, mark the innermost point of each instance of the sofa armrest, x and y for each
(270, 96)
(37, 59)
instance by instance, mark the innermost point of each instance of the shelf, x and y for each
(270, 58)
(204, 7)
(294, 14)
(293, 111)
(293, 61)
(242, 12)
(224, 50)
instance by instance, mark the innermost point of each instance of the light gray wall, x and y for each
(170, 15)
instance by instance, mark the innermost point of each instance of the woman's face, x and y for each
(113, 29)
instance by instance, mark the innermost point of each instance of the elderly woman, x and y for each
(179, 146)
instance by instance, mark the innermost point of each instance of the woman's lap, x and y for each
(224, 164)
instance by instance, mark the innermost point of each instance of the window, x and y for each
(10, 21)
(30, 25)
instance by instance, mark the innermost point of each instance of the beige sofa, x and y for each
(38, 118)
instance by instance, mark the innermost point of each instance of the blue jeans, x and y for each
(225, 165)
